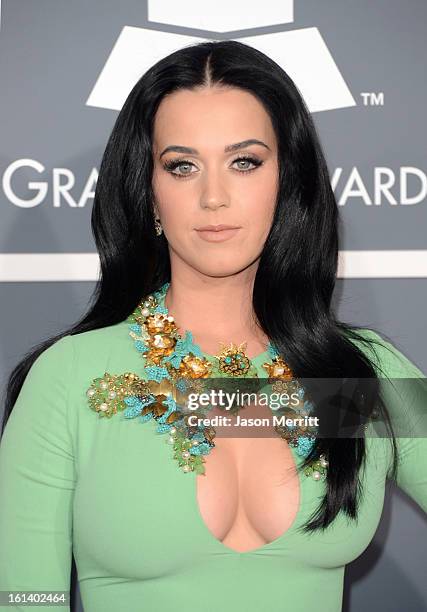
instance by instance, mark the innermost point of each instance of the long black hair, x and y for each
(297, 269)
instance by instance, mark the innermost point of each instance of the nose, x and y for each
(213, 194)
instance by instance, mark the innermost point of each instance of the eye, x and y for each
(173, 164)
(245, 159)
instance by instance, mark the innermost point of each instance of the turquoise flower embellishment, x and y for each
(160, 309)
(182, 348)
(304, 445)
(157, 373)
(202, 447)
(135, 405)
(172, 407)
(140, 346)
(138, 335)
(272, 350)
(182, 385)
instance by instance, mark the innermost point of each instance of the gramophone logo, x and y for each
(303, 53)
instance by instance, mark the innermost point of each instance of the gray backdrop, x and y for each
(65, 70)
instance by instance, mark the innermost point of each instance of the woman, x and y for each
(214, 134)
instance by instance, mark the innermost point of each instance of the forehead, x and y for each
(211, 117)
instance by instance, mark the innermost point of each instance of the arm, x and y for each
(37, 479)
(406, 401)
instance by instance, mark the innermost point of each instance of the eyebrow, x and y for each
(227, 149)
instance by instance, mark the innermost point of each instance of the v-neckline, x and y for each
(264, 547)
(257, 361)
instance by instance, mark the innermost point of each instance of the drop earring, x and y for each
(158, 226)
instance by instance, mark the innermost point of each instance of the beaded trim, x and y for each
(173, 366)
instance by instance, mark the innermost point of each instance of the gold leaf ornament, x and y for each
(233, 360)
(107, 393)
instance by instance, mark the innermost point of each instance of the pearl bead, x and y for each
(185, 454)
(159, 341)
(90, 392)
(186, 468)
(170, 318)
(316, 475)
(145, 312)
(170, 440)
(103, 407)
(112, 394)
(172, 430)
(324, 463)
(104, 385)
(195, 442)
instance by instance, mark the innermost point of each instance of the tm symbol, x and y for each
(370, 98)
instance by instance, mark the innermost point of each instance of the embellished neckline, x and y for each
(260, 357)
(173, 366)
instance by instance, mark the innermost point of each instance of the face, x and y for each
(199, 179)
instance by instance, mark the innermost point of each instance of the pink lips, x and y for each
(215, 228)
(217, 233)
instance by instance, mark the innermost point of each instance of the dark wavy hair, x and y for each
(297, 269)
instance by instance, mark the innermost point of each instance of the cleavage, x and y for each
(250, 493)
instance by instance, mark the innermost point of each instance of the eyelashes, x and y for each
(172, 165)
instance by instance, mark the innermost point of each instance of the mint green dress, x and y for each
(108, 491)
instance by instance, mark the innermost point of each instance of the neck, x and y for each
(215, 310)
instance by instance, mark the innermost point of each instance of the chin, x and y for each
(229, 268)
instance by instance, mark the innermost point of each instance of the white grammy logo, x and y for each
(302, 53)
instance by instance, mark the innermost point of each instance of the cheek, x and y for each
(178, 218)
(258, 192)
(173, 203)
(259, 209)
(176, 223)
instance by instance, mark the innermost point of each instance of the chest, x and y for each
(250, 492)
(136, 514)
